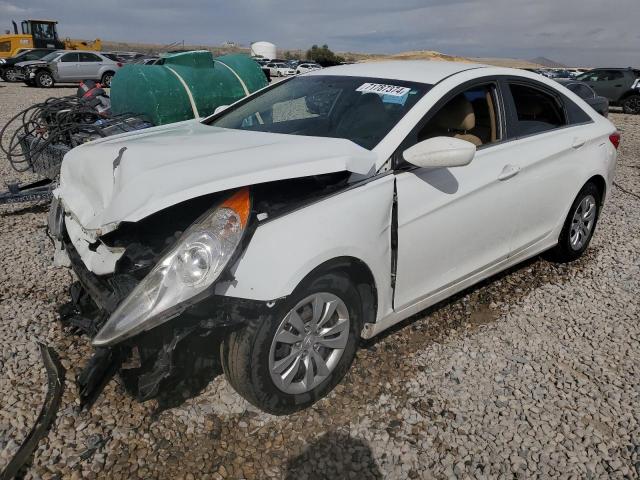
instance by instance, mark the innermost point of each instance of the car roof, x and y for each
(424, 71)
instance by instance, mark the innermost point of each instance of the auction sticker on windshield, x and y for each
(392, 90)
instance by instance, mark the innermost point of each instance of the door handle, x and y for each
(578, 142)
(618, 86)
(509, 171)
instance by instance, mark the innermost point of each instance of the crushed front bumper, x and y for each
(170, 362)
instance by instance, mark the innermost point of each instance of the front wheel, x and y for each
(631, 104)
(579, 226)
(288, 360)
(44, 79)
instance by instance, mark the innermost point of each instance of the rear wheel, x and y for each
(631, 104)
(44, 79)
(579, 226)
(290, 359)
(10, 74)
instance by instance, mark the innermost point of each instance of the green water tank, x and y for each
(184, 85)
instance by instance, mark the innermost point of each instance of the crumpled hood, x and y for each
(128, 177)
(30, 62)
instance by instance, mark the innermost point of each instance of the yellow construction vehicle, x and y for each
(39, 34)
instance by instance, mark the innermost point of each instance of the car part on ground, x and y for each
(55, 387)
(184, 86)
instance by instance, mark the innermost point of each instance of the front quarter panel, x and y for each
(353, 223)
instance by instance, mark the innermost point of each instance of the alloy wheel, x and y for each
(633, 104)
(582, 223)
(10, 75)
(309, 343)
(46, 80)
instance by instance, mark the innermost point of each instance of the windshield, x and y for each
(363, 110)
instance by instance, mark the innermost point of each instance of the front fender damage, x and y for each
(171, 362)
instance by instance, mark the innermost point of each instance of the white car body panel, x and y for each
(456, 226)
(150, 177)
(355, 223)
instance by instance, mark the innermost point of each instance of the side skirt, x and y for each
(371, 330)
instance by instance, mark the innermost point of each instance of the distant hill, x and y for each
(349, 56)
(544, 61)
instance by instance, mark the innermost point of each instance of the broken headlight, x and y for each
(186, 271)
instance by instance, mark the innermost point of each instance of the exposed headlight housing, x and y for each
(186, 272)
(2, 60)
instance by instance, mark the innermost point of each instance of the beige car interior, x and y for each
(474, 121)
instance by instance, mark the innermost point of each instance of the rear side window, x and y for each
(69, 57)
(89, 57)
(581, 90)
(537, 111)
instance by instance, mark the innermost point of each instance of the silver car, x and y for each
(71, 67)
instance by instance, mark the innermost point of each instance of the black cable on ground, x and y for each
(627, 191)
(56, 121)
(55, 381)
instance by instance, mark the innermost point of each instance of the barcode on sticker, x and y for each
(382, 89)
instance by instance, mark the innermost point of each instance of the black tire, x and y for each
(564, 251)
(631, 105)
(245, 352)
(9, 75)
(106, 79)
(44, 79)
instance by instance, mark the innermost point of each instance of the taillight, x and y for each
(615, 139)
(119, 64)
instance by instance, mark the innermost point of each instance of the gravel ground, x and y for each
(535, 372)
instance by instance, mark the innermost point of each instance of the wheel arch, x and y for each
(357, 271)
(601, 185)
(627, 94)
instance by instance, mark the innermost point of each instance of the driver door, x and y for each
(455, 223)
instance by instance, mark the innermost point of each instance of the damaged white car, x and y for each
(275, 234)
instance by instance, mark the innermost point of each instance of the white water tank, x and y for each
(263, 49)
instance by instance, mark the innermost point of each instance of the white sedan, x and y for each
(321, 210)
(307, 67)
(280, 70)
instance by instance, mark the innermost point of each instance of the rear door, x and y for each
(68, 67)
(551, 139)
(89, 66)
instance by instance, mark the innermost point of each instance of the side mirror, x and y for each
(219, 109)
(440, 152)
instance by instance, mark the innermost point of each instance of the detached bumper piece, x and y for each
(55, 387)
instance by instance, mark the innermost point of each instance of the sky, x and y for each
(573, 32)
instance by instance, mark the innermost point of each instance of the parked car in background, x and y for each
(317, 212)
(307, 67)
(8, 70)
(280, 69)
(70, 67)
(620, 85)
(127, 57)
(598, 103)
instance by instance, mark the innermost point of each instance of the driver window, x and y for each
(471, 115)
